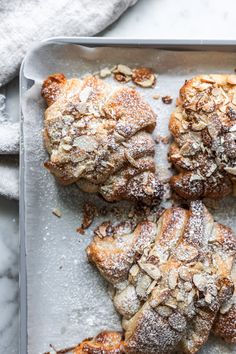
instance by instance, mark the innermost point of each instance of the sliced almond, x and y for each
(66, 147)
(186, 253)
(234, 99)
(173, 278)
(158, 296)
(144, 77)
(199, 126)
(185, 273)
(231, 170)
(231, 79)
(151, 287)
(200, 281)
(233, 128)
(105, 72)
(142, 285)
(86, 143)
(152, 270)
(208, 79)
(57, 212)
(124, 69)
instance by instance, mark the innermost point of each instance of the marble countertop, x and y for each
(211, 19)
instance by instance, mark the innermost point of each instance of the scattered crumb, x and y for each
(80, 230)
(158, 139)
(163, 139)
(89, 213)
(105, 72)
(57, 212)
(167, 99)
(156, 96)
(144, 77)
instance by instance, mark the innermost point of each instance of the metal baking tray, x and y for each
(63, 299)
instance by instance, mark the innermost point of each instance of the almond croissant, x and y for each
(99, 137)
(204, 130)
(172, 280)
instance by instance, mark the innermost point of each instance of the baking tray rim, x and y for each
(164, 44)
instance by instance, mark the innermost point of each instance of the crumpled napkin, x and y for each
(23, 22)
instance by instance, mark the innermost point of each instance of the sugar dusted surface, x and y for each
(67, 299)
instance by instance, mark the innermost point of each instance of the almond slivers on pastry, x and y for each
(99, 137)
(204, 130)
(172, 280)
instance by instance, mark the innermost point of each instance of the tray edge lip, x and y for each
(197, 44)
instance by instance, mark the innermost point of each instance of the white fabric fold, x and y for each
(23, 22)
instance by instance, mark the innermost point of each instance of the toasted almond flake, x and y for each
(57, 212)
(208, 79)
(158, 296)
(234, 99)
(199, 126)
(86, 143)
(151, 287)
(186, 253)
(156, 96)
(167, 99)
(173, 278)
(152, 270)
(134, 270)
(208, 298)
(185, 273)
(130, 159)
(199, 281)
(211, 170)
(231, 170)
(66, 147)
(142, 285)
(124, 69)
(147, 82)
(188, 286)
(196, 177)
(233, 128)
(105, 72)
(144, 77)
(231, 79)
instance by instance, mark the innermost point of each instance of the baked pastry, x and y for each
(99, 137)
(104, 343)
(204, 130)
(170, 279)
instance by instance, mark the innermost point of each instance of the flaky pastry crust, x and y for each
(204, 131)
(99, 137)
(170, 279)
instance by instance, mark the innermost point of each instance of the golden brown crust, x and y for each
(170, 279)
(204, 130)
(52, 87)
(106, 342)
(100, 138)
(225, 325)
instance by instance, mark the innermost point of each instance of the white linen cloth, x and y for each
(23, 22)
